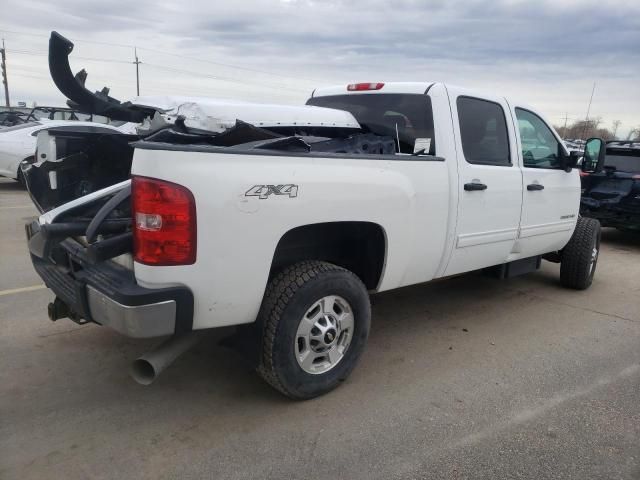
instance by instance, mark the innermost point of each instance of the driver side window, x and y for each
(540, 148)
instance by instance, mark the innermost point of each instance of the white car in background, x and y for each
(18, 143)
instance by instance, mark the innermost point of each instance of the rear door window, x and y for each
(407, 118)
(483, 132)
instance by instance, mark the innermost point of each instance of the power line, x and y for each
(225, 79)
(28, 34)
(39, 77)
(175, 70)
(90, 59)
(162, 52)
(137, 62)
(247, 69)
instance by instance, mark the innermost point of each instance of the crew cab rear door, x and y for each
(551, 196)
(489, 182)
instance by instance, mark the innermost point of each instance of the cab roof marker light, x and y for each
(359, 87)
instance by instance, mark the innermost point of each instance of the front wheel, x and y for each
(580, 256)
(20, 178)
(315, 318)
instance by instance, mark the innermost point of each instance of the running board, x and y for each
(515, 268)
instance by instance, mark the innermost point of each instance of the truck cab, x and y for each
(513, 195)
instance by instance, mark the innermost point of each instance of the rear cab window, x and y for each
(623, 160)
(407, 118)
(483, 132)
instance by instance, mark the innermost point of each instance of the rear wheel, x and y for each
(580, 256)
(315, 319)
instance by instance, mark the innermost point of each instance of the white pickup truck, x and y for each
(289, 233)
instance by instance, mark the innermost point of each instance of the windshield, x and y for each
(407, 117)
(628, 161)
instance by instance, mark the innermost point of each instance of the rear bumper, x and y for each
(107, 294)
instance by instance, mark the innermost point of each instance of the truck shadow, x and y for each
(424, 320)
(413, 324)
(426, 342)
(622, 240)
(8, 185)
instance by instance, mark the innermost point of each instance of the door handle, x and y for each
(535, 186)
(469, 187)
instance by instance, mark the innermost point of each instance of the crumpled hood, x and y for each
(217, 115)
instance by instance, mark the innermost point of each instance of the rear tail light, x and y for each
(584, 174)
(358, 87)
(164, 229)
(636, 177)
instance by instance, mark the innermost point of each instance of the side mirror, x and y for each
(594, 153)
(572, 160)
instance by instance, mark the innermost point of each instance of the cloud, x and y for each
(548, 52)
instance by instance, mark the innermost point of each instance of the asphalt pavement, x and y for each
(464, 378)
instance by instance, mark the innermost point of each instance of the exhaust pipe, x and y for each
(147, 368)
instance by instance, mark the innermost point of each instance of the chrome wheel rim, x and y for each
(324, 334)
(594, 259)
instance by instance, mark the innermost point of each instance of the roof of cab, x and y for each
(388, 87)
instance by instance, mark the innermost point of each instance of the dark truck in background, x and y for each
(611, 185)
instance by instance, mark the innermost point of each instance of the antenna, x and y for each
(586, 120)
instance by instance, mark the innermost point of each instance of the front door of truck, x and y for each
(551, 196)
(489, 182)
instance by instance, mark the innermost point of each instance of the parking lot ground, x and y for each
(468, 377)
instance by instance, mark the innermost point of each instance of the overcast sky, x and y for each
(547, 53)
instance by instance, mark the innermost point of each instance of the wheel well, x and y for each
(357, 246)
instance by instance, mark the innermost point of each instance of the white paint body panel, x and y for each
(549, 216)
(228, 287)
(488, 220)
(432, 226)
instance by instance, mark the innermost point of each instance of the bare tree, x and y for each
(616, 125)
(585, 129)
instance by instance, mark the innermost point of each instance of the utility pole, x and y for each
(4, 75)
(564, 129)
(137, 64)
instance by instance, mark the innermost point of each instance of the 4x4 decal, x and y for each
(263, 191)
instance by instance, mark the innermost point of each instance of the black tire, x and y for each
(578, 265)
(289, 295)
(20, 178)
